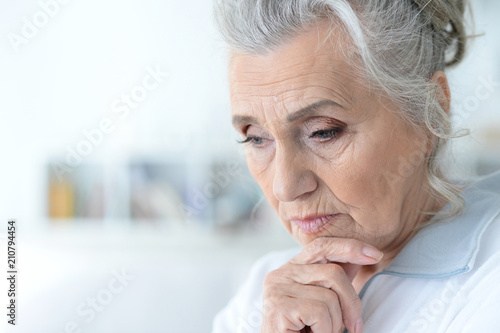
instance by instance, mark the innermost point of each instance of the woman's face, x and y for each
(330, 156)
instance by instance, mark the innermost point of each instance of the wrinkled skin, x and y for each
(352, 155)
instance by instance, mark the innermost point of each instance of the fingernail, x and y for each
(372, 253)
(358, 328)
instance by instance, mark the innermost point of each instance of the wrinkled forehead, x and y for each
(311, 66)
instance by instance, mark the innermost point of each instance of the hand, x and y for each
(313, 292)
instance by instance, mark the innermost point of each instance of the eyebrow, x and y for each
(304, 112)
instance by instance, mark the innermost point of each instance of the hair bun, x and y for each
(448, 16)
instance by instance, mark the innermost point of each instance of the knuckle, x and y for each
(348, 248)
(274, 306)
(335, 270)
(323, 310)
(281, 275)
(314, 310)
(271, 277)
(317, 244)
(277, 311)
(269, 291)
(268, 279)
(282, 323)
(268, 306)
(332, 297)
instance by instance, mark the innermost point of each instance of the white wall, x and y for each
(65, 79)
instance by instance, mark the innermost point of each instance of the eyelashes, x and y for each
(251, 139)
(325, 135)
(321, 135)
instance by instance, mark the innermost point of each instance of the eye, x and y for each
(253, 140)
(327, 134)
(255, 136)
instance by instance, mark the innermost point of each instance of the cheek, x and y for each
(376, 175)
(361, 177)
(261, 171)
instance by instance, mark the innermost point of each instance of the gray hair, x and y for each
(401, 44)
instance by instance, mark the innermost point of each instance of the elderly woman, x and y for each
(344, 108)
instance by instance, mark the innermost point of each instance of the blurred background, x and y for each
(135, 210)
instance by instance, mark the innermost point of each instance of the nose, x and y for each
(292, 177)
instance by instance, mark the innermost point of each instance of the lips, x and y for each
(313, 224)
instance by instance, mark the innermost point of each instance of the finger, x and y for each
(314, 293)
(342, 250)
(335, 280)
(324, 321)
(317, 316)
(289, 314)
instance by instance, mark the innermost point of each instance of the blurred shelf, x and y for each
(121, 234)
